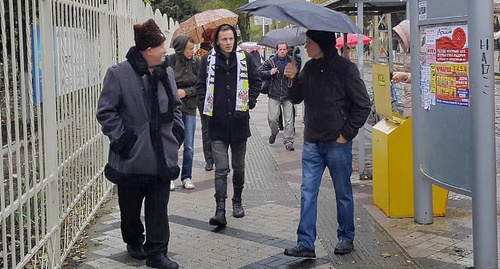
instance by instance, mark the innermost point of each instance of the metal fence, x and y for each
(53, 56)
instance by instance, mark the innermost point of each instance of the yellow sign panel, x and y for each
(382, 90)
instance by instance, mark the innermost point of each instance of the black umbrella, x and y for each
(302, 13)
(291, 36)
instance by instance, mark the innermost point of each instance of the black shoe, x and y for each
(272, 139)
(300, 251)
(238, 211)
(161, 261)
(136, 251)
(209, 167)
(343, 247)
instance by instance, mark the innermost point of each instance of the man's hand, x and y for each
(181, 93)
(274, 71)
(290, 70)
(341, 140)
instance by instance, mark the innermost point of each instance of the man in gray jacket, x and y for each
(141, 114)
(273, 70)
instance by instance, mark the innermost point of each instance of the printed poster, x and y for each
(444, 60)
(451, 44)
(452, 84)
(422, 10)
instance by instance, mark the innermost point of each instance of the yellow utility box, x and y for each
(393, 171)
(393, 157)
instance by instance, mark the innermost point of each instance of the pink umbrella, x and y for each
(352, 39)
(250, 46)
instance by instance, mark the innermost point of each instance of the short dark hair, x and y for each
(281, 43)
(225, 27)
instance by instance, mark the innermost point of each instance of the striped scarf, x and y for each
(242, 85)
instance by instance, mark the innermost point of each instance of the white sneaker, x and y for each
(172, 185)
(187, 184)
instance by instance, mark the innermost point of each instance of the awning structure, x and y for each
(381, 28)
(371, 7)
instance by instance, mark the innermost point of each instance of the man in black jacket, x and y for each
(336, 106)
(273, 69)
(228, 87)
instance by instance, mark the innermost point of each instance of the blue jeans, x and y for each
(338, 158)
(187, 156)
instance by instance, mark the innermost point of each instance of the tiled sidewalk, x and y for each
(271, 199)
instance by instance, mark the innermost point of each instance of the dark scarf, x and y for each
(158, 74)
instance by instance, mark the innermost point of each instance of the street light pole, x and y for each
(482, 104)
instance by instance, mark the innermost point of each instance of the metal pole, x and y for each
(392, 53)
(361, 136)
(482, 104)
(50, 134)
(263, 34)
(422, 188)
(376, 36)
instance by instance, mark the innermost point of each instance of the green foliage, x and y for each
(397, 17)
(179, 10)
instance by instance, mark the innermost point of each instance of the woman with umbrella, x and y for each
(206, 47)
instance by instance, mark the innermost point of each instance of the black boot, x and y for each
(219, 219)
(161, 261)
(238, 211)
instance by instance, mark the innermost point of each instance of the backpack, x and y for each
(171, 63)
(267, 83)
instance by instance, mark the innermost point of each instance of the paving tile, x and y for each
(272, 203)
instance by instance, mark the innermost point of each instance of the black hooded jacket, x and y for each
(226, 124)
(335, 98)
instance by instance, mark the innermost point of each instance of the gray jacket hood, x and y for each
(180, 43)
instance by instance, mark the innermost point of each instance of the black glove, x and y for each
(251, 104)
(124, 144)
(178, 132)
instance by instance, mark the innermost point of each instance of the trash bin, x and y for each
(393, 170)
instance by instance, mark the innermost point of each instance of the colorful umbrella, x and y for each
(352, 40)
(199, 23)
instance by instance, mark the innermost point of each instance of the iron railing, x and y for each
(53, 56)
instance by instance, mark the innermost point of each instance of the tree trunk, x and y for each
(244, 25)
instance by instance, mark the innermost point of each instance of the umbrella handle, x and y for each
(290, 80)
